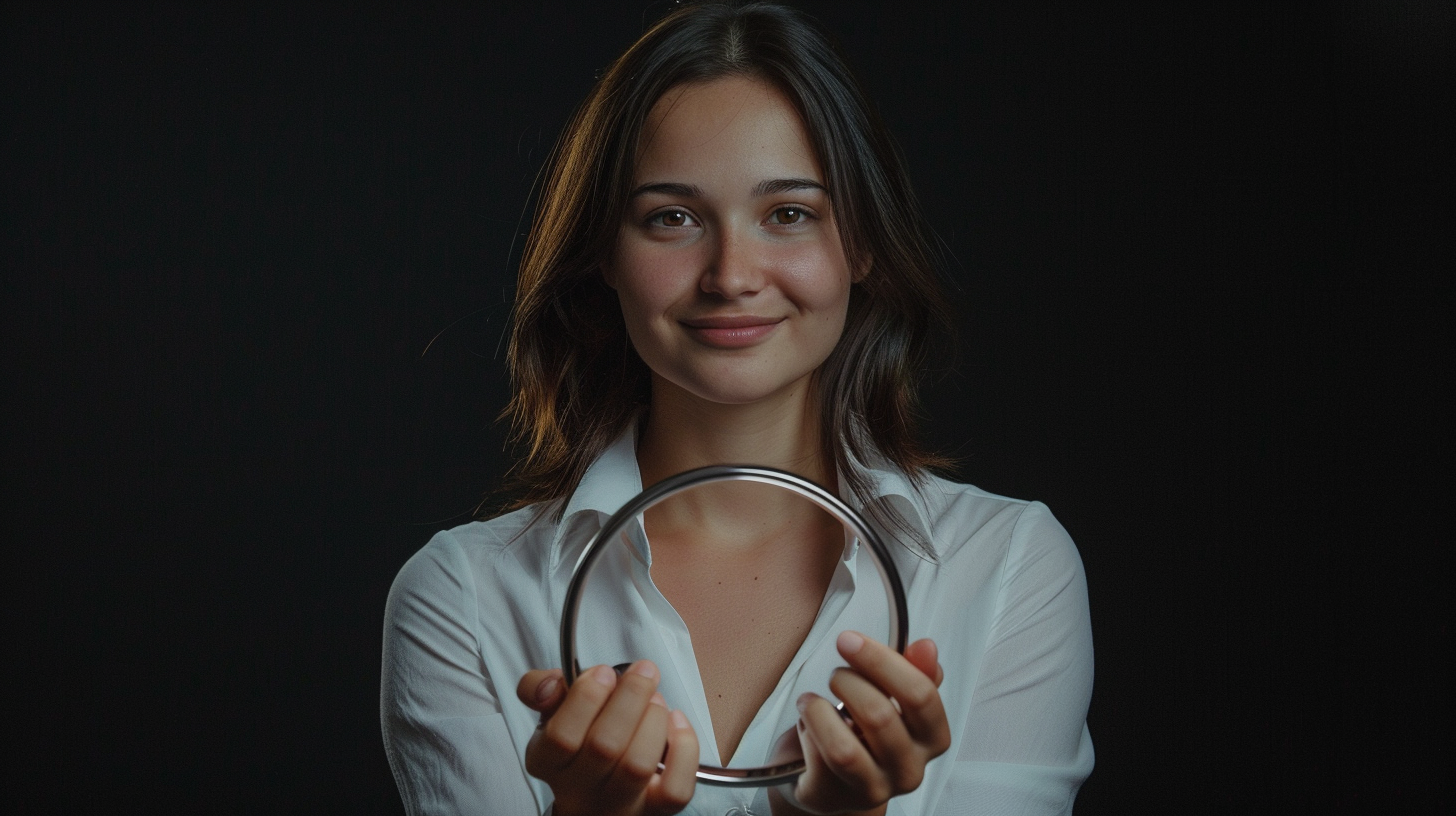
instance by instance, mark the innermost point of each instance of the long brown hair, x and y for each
(577, 382)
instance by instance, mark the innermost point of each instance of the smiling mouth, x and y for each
(729, 332)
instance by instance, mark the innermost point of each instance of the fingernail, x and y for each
(850, 642)
(679, 719)
(658, 699)
(804, 700)
(547, 689)
(644, 668)
(604, 675)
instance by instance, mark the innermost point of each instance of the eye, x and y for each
(788, 216)
(671, 218)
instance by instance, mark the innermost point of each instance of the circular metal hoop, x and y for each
(894, 589)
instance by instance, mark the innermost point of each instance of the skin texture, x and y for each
(598, 747)
(845, 770)
(703, 240)
(734, 287)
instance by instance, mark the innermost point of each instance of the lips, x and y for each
(731, 331)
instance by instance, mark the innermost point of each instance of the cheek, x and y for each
(637, 307)
(820, 280)
(647, 293)
(646, 267)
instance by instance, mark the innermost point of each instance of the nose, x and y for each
(736, 267)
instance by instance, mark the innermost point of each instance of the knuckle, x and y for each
(555, 741)
(877, 654)
(907, 779)
(847, 684)
(592, 692)
(941, 743)
(581, 704)
(920, 695)
(678, 793)
(840, 677)
(878, 789)
(602, 747)
(877, 657)
(840, 753)
(637, 769)
(878, 714)
(688, 739)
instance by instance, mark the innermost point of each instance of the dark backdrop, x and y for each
(258, 265)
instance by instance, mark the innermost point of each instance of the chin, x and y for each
(741, 391)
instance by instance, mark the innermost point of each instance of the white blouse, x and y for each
(1005, 600)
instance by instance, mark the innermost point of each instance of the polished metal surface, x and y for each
(894, 589)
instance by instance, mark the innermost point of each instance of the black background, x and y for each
(258, 264)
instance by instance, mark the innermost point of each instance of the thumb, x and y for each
(542, 690)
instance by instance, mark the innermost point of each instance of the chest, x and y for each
(747, 616)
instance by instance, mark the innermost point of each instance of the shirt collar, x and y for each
(614, 479)
(611, 481)
(896, 492)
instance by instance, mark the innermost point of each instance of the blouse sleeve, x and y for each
(1026, 748)
(444, 733)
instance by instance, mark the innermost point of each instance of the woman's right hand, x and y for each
(600, 742)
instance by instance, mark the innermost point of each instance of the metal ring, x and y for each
(894, 589)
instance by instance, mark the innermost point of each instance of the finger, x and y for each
(674, 788)
(559, 740)
(608, 737)
(897, 677)
(542, 690)
(808, 789)
(880, 726)
(840, 750)
(638, 763)
(924, 656)
(811, 783)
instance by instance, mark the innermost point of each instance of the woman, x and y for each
(727, 266)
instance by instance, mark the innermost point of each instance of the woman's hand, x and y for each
(600, 742)
(895, 704)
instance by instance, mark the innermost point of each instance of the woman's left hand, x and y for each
(895, 704)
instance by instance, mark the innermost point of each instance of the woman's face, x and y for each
(729, 268)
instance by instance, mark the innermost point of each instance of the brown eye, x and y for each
(672, 218)
(788, 216)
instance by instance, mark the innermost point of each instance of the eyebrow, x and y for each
(669, 188)
(789, 185)
(763, 188)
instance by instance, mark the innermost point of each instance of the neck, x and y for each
(684, 432)
(736, 519)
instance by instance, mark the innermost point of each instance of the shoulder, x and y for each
(958, 515)
(1018, 557)
(456, 559)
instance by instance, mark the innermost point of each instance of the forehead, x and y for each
(735, 125)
